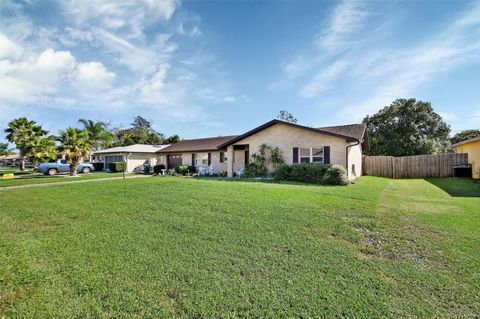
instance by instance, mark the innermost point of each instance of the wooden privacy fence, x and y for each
(418, 166)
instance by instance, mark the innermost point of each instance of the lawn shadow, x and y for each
(457, 187)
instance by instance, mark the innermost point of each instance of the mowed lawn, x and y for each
(193, 248)
(42, 179)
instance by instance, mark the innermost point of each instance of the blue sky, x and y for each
(208, 68)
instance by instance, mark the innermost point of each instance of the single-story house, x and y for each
(341, 145)
(134, 155)
(472, 148)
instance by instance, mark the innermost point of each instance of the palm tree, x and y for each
(5, 150)
(75, 143)
(98, 133)
(42, 149)
(21, 132)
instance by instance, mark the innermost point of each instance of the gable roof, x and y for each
(357, 131)
(328, 131)
(135, 148)
(470, 140)
(198, 144)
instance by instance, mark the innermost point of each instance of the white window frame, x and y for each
(310, 157)
(201, 159)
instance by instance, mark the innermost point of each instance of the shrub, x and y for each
(185, 169)
(312, 174)
(157, 169)
(283, 173)
(254, 170)
(172, 172)
(116, 166)
(335, 175)
(98, 166)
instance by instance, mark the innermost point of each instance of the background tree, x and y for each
(75, 144)
(5, 149)
(42, 149)
(172, 139)
(464, 135)
(407, 127)
(99, 134)
(22, 132)
(286, 116)
(141, 132)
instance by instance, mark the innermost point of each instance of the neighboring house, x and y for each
(472, 148)
(341, 145)
(134, 155)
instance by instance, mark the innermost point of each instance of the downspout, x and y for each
(126, 164)
(346, 156)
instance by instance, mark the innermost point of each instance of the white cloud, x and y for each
(8, 49)
(128, 17)
(229, 99)
(93, 75)
(55, 62)
(347, 19)
(324, 79)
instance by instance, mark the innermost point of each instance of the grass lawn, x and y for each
(41, 178)
(196, 248)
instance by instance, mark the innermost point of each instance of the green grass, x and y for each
(197, 248)
(41, 179)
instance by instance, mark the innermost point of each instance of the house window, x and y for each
(223, 158)
(201, 159)
(311, 155)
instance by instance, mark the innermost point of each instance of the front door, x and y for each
(174, 160)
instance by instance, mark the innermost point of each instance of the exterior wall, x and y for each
(473, 150)
(135, 159)
(286, 138)
(138, 159)
(355, 158)
(187, 160)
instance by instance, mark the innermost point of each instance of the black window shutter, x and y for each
(222, 157)
(326, 155)
(193, 159)
(209, 158)
(295, 155)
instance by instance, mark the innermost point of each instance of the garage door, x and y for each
(174, 160)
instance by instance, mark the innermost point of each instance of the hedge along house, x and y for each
(201, 152)
(341, 145)
(135, 155)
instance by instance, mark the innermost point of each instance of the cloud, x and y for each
(347, 20)
(93, 75)
(324, 79)
(400, 73)
(8, 49)
(128, 17)
(55, 62)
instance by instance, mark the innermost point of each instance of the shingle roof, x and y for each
(470, 140)
(135, 148)
(357, 131)
(198, 144)
(349, 138)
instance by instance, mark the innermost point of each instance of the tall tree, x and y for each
(21, 132)
(5, 149)
(42, 149)
(407, 127)
(286, 116)
(464, 135)
(141, 132)
(75, 144)
(98, 133)
(172, 139)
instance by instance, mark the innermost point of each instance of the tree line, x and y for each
(35, 143)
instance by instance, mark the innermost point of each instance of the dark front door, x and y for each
(174, 161)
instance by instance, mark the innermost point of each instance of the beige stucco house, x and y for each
(341, 145)
(134, 155)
